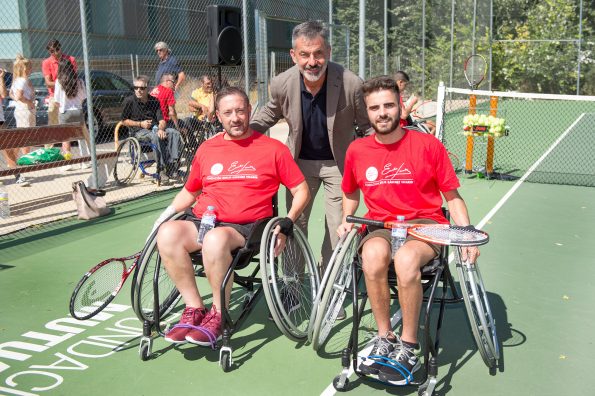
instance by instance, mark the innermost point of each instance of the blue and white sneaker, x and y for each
(401, 364)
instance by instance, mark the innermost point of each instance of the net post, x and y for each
(491, 141)
(441, 99)
(469, 149)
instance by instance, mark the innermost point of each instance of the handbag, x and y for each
(89, 204)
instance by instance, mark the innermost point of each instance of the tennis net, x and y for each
(551, 138)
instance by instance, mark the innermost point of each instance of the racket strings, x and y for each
(453, 234)
(475, 69)
(99, 286)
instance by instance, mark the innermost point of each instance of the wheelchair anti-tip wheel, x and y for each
(338, 282)
(127, 161)
(483, 325)
(142, 286)
(290, 281)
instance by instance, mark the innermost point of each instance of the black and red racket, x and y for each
(99, 286)
(440, 234)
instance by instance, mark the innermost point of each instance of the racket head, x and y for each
(475, 70)
(427, 109)
(451, 235)
(97, 288)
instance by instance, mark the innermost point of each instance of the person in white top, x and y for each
(23, 94)
(69, 94)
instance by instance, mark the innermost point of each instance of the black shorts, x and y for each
(243, 229)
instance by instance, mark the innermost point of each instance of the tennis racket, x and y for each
(476, 68)
(440, 234)
(99, 286)
(426, 109)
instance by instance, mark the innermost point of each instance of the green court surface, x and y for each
(538, 269)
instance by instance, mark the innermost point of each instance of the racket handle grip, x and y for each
(361, 220)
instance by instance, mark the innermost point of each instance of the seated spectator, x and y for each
(140, 114)
(202, 105)
(216, 180)
(164, 93)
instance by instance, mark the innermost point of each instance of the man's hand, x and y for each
(283, 230)
(161, 133)
(167, 213)
(146, 124)
(470, 253)
(344, 228)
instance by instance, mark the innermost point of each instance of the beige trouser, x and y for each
(325, 173)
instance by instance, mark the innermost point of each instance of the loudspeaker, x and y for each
(224, 38)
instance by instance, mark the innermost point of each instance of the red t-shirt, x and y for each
(403, 178)
(240, 177)
(49, 67)
(166, 98)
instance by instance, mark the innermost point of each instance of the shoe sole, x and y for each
(171, 341)
(201, 343)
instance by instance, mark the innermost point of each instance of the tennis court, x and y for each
(537, 269)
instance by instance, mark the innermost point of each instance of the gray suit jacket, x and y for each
(344, 106)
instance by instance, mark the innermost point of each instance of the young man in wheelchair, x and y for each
(400, 172)
(238, 172)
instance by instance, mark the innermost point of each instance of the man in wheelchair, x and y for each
(238, 172)
(400, 172)
(141, 113)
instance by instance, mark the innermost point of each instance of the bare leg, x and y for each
(376, 259)
(408, 261)
(216, 255)
(175, 240)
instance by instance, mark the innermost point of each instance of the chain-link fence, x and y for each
(120, 44)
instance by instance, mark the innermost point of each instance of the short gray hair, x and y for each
(310, 30)
(142, 78)
(162, 45)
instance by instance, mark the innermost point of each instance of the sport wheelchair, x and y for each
(289, 282)
(343, 278)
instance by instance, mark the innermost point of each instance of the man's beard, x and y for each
(385, 130)
(237, 130)
(314, 77)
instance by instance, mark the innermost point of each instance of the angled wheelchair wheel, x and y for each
(127, 160)
(338, 282)
(290, 281)
(142, 286)
(483, 325)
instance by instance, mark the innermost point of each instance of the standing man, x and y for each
(140, 114)
(321, 101)
(399, 172)
(168, 64)
(49, 69)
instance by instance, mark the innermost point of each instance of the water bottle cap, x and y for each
(401, 218)
(211, 207)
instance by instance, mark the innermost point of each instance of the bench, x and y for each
(38, 136)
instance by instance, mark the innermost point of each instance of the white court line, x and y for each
(330, 390)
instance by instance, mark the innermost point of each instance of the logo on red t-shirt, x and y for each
(389, 175)
(236, 170)
(216, 169)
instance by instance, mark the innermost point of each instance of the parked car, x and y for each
(109, 91)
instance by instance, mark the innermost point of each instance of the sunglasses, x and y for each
(140, 88)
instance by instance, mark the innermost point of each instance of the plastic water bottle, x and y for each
(207, 222)
(155, 129)
(398, 234)
(4, 208)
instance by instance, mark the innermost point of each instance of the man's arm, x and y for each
(301, 197)
(174, 116)
(269, 114)
(3, 91)
(361, 114)
(180, 81)
(350, 205)
(182, 201)
(460, 216)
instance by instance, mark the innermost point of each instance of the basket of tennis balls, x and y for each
(482, 125)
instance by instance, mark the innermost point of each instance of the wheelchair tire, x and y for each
(127, 161)
(289, 290)
(142, 284)
(481, 320)
(336, 288)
